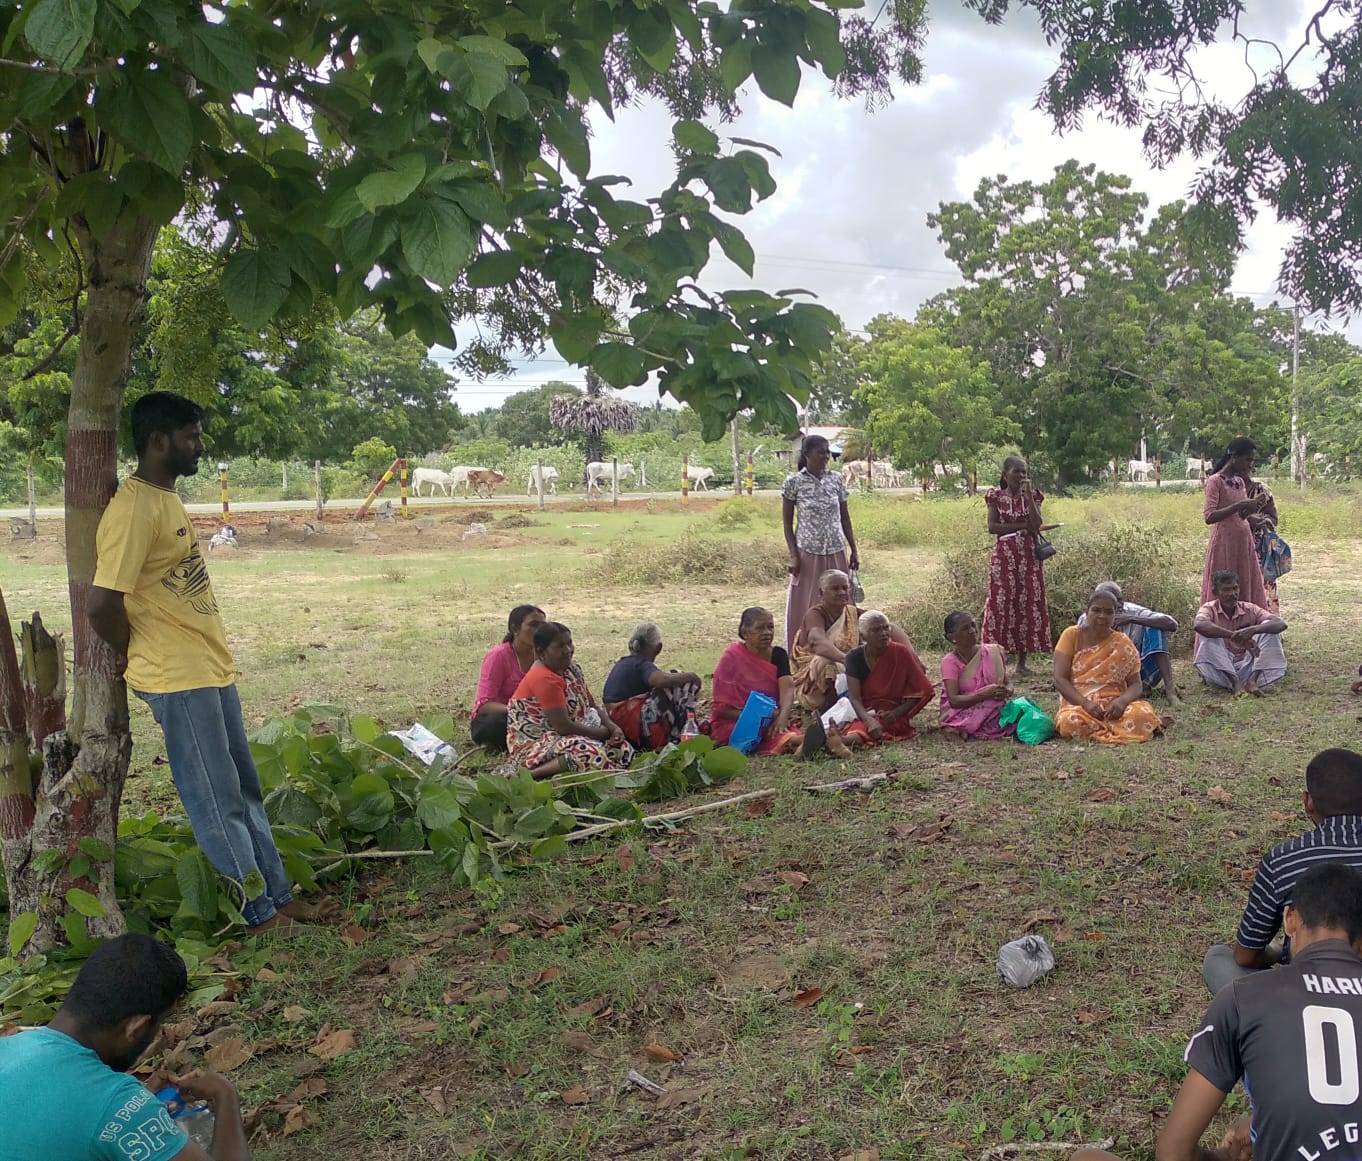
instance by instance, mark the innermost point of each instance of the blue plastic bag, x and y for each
(756, 715)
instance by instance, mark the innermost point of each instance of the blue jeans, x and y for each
(210, 761)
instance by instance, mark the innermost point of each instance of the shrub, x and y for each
(696, 558)
(1151, 567)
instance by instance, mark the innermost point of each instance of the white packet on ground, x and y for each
(1023, 961)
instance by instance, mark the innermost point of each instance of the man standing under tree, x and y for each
(153, 602)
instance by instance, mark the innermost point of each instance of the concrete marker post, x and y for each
(540, 481)
(614, 482)
(222, 484)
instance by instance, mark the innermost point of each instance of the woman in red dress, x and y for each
(1016, 615)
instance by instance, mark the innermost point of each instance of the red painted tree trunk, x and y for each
(43, 670)
(80, 786)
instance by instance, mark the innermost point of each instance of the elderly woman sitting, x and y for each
(650, 705)
(886, 683)
(755, 664)
(830, 631)
(552, 723)
(1097, 674)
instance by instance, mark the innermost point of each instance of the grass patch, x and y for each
(694, 556)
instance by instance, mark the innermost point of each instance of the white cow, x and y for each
(699, 475)
(1138, 469)
(1196, 466)
(550, 480)
(458, 477)
(433, 478)
(596, 471)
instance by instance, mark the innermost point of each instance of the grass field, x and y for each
(812, 982)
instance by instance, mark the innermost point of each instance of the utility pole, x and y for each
(1297, 452)
(737, 459)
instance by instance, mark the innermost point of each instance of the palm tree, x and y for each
(593, 414)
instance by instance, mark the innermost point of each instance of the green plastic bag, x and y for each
(1034, 725)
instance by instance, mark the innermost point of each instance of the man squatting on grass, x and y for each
(65, 1092)
(1293, 1036)
(1333, 802)
(153, 602)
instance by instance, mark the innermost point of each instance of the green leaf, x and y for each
(696, 137)
(434, 53)
(97, 849)
(49, 861)
(735, 246)
(824, 36)
(494, 269)
(735, 65)
(619, 364)
(287, 806)
(477, 78)
(82, 901)
(777, 73)
(566, 132)
(220, 57)
(438, 805)
(371, 803)
(60, 31)
(507, 54)
(442, 725)
(729, 184)
(653, 37)
(437, 239)
(149, 115)
(254, 285)
(102, 203)
(198, 884)
(549, 848)
(724, 762)
(479, 200)
(21, 929)
(365, 728)
(392, 186)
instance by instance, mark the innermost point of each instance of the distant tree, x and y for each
(836, 377)
(373, 457)
(523, 418)
(593, 414)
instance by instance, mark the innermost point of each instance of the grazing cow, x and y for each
(480, 478)
(853, 472)
(596, 471)
(1138, 469)
(1196, 467)
(432, 478)
(550, 479)
(699, 475)
(458, 477)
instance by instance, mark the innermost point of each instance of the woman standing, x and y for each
(823, 536)
(1016, 615)
(1227, 509)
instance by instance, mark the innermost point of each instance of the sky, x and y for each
(855, 186)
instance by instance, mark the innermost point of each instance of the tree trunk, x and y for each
(80, 788)
(43, 670)
(16, 779)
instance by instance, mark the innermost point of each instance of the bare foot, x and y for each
(1174, 698)
(278, 926)
(325, 910)
(1166, 720)
(1252, 687)
(836, 744)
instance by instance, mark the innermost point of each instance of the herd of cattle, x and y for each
(483, 481)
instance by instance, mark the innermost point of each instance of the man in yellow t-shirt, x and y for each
(153, 602)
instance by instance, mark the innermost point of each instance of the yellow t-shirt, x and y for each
(147, 550)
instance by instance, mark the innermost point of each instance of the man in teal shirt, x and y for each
(65, 1092)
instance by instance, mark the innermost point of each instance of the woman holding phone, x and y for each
(1016, 615)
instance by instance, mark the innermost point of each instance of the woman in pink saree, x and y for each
(755, 664)
(974, 685)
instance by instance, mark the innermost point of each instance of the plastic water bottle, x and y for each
(691, 729)
(195, 1118)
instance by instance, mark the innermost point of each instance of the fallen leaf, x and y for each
(538, 981)
(1085, 1017)
(406, 967)
(759, 806)
(624, 856)
(266, 975)
(296, 1119)
(216, 1008)
(871, 1154)
(795, 879)
(589, 1007)
(675, 1097)
(579, 1041)
(661, 1053)
(354, 934)
(1221, 795)
(1101, 794)
(1094, 936)
(294, 1012)
(436, 1098)
(1036, 918)
(508, 928)
(312, 1086)
(1282, 816)
(925, 832)
(576, 1095)
(411, 1027)
(807, 997)
(1062, 935)
(231, 1053)
(515, 1071)
(333, 1044)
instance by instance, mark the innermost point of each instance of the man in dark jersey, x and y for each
(1294, 1035)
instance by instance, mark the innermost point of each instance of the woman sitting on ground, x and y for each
(1097, 674)
(754, 664)
(823, 640)
(886, 683)
(974, 685)
(650, 705)
(552, 723)
(501, 672)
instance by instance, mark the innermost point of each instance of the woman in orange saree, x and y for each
(1097, 674)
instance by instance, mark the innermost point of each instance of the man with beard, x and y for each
(65, 1092)
(153, 602)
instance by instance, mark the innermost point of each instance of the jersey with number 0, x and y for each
(60, 1102)
(1294, 1034)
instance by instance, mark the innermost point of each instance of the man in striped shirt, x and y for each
(1333, 802)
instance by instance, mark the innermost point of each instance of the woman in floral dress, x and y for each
(1016, 615)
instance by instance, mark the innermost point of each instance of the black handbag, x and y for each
(1044, 549)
